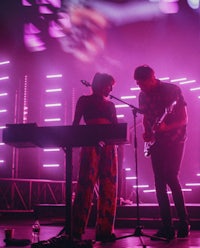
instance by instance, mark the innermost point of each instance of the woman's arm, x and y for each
(78, 112)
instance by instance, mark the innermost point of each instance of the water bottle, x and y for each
(36, 232)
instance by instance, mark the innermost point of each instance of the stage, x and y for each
(52, 219)
(126, 216)
(23, 228)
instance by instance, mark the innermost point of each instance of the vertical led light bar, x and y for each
(5, 104)
(53, 115)
(25, 103)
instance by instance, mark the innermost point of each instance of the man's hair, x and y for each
(100, 80)
(143, 72)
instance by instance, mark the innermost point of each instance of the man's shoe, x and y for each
(165, 233)
(183, 229)
(106, 238)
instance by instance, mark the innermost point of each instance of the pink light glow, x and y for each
(32, 39)
(194, 89)
(4, 78)
(3, 94)
(186, 190)
(149, 191)
(131, 178)
(53, 105)
(188, 82)
(55, 30)
(51, 150)
(3, 110)
(25, 3)
(53, 90)
(50, 165)
(135, 88)
(52, 119)
(54, 76)
(120, 116)
(5, 62)
(121, 105)
(178, 80)
(164, 78)
(141, 186)
(169, 7)
(128, 97)
(192, 184)
(194, 4)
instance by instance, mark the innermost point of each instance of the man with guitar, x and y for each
(164, 120)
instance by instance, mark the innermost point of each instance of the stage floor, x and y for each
(23, 230)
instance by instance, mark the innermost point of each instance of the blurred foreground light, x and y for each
(26, 3)
(169, 6)
(32, 38)
(194, 4)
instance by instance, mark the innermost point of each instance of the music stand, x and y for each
(138, 229)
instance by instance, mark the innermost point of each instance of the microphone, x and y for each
(86, 83)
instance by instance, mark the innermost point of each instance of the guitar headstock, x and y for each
(86, 83)
(171, 107)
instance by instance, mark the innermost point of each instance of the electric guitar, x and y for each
(148, 145)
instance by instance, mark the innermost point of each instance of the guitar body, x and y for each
(149, 145)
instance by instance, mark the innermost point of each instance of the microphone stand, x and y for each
(138, 230)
